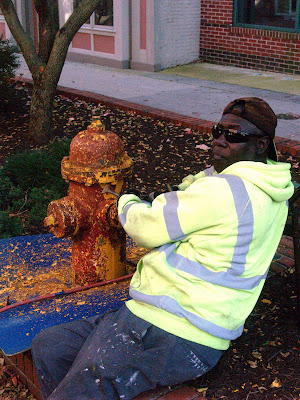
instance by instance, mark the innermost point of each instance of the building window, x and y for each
(103, 15)
(276, 14)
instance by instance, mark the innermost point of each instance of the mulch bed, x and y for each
(264, 362)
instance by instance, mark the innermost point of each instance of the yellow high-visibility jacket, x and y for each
(213, 241)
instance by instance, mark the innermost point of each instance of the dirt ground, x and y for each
(264, 363)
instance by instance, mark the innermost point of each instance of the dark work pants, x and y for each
(114, 356)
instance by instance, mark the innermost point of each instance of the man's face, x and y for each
(225, 153)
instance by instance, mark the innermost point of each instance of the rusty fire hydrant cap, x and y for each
(96, 156)
(96, 147)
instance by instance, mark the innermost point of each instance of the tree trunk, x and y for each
(41, 112)
(46, 66)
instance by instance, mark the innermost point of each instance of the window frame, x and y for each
(96, 27)
(236, 23)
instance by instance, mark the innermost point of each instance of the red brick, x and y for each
(294, 150)
(285, 251)
(286, 241)
(293, 143)
(278, 268)
(286, 261)
(280, 140)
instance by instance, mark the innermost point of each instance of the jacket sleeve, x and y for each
(171, 216)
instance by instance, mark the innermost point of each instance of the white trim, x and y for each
(65, 10)
(92, 24)
(100, 31)
(99, 54)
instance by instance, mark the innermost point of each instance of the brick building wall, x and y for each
(223, 43)
(177, 34)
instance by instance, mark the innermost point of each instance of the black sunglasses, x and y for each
(232, 135)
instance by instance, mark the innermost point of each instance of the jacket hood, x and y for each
(274, 178)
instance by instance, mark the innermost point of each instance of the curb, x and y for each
(283, 145)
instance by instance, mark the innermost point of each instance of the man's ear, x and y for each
(262, 145)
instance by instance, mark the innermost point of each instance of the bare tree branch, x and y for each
(47, 27)
(79, 16)
(65, 35)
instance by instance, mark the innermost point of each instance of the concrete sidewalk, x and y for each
(196, 90)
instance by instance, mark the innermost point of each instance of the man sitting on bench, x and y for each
(213, 239)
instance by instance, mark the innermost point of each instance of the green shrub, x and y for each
(39, 168)
(8, 60)
(9, 95)
(11, 199)
(38, 202)
(10, 226)
(29, 181)
(10, 196)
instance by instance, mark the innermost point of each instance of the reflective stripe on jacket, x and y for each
(213, 242)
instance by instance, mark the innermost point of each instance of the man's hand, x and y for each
(153, 195)
(131, 191)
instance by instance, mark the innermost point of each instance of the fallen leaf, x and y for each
(253, 364)
(202, 390)
(275, 384)
(202, 147)
(257, 355)
(14, 380)
(285, 354)
(266, 301)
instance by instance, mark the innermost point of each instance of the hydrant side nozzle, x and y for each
(67, 216)
(107, 215)
(112, 216)
(50, 221)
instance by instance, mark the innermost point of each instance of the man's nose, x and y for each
(221, 141)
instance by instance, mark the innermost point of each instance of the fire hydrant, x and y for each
(96, 170)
